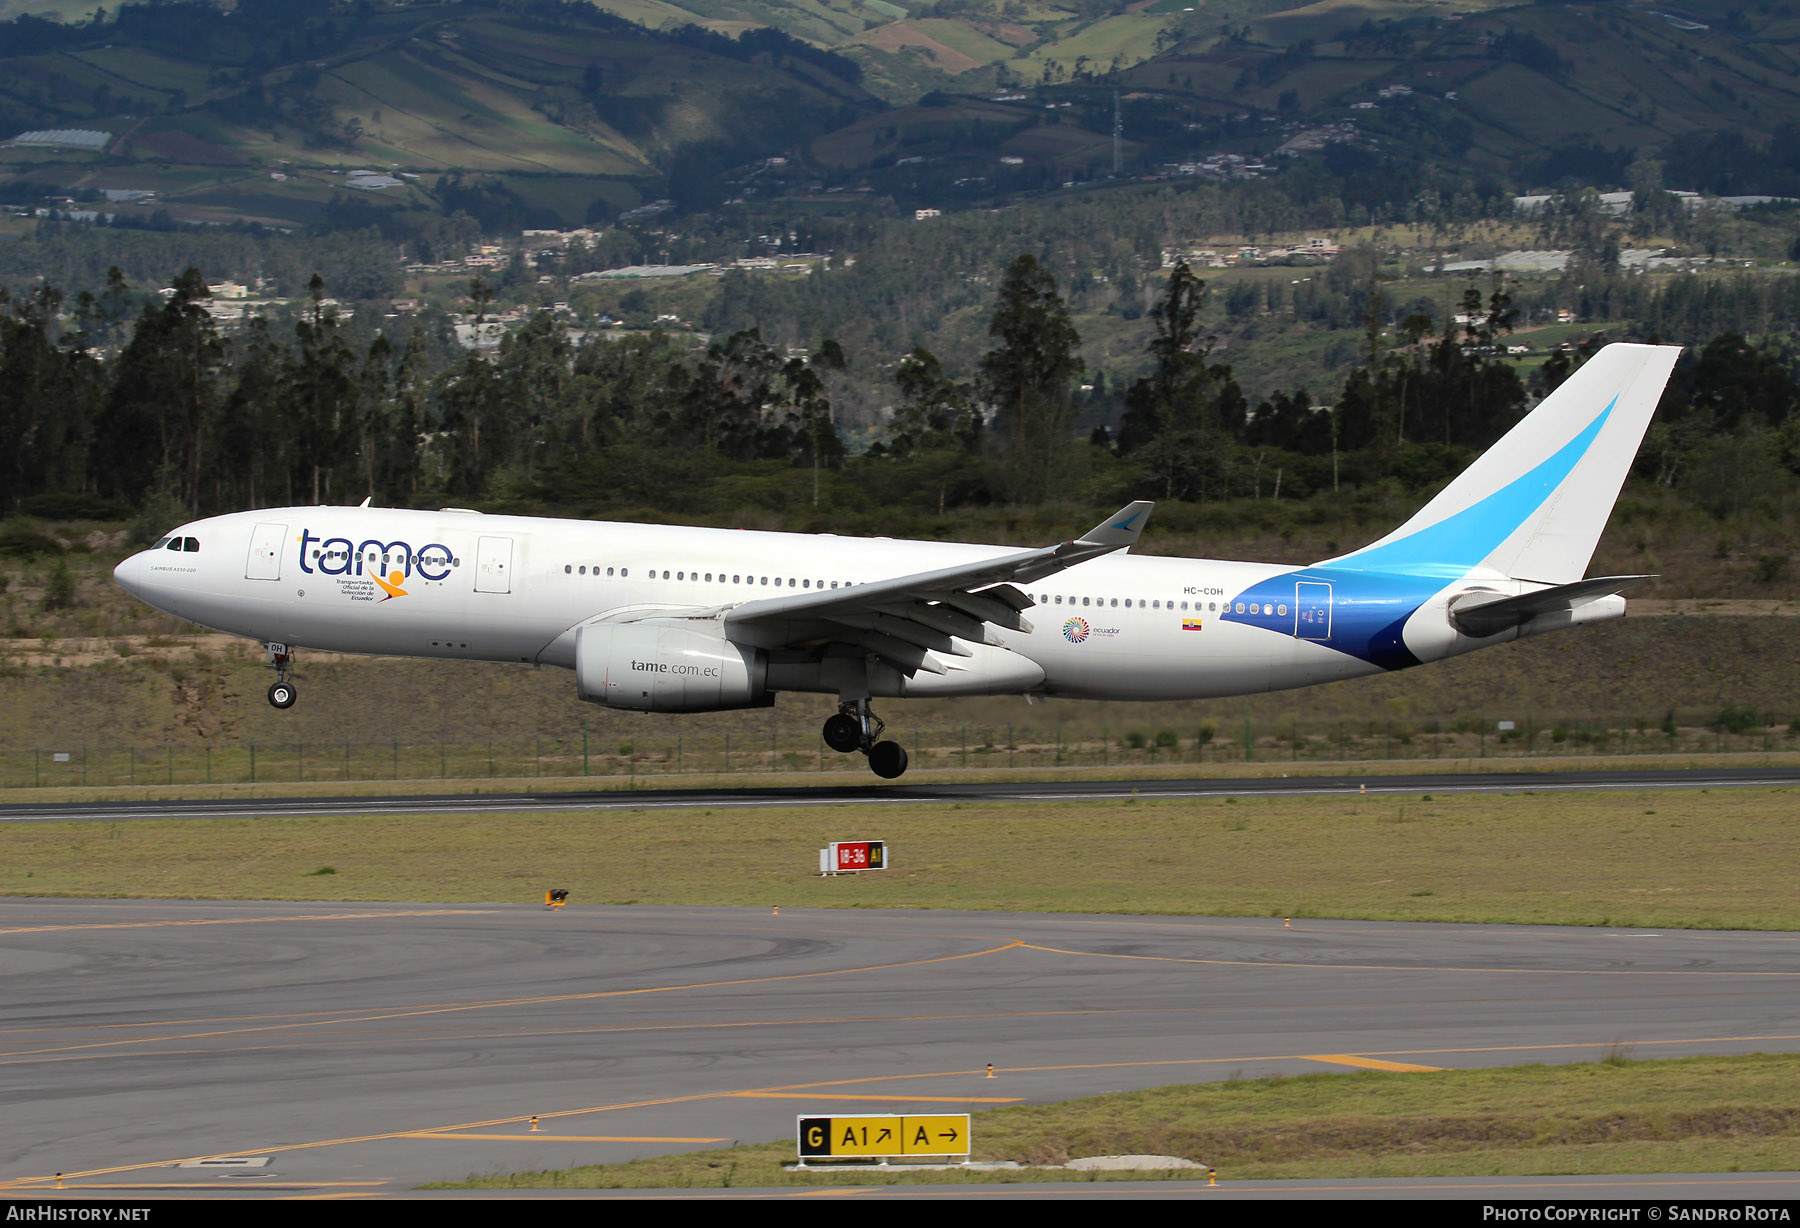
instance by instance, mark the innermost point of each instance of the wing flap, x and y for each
(906, 656)
(942, 618)
(979, 605)
(904, 629)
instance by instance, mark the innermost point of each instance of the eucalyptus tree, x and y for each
(1027, 379)
(48, 396)
(162, 414)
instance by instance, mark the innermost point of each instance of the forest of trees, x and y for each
(157, 413)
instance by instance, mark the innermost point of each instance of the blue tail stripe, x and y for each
(1456, 544)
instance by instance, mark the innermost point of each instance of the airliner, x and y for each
(660, 618)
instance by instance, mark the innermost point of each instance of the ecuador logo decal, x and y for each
(1075, 630)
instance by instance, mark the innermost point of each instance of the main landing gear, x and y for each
(855, 727)
(282, 694)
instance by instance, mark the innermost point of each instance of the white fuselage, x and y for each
(509, 588)
(660, 618)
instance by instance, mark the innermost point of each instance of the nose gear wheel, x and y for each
(282, 694)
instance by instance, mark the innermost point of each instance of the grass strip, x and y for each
(1663, 858)
(1701, 1114)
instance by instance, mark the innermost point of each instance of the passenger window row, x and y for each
(1045, 599)
(1279, 609)
(396, 560)
(709, 577)
(1128, 603)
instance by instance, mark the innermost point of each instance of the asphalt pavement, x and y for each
(366, 1048)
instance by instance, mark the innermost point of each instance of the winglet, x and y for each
(1121, 529)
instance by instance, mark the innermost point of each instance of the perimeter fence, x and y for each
(792, 749)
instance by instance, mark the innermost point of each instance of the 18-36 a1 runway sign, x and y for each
(881, 1135)
(853, 856)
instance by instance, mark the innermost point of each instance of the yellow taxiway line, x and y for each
(557, 1138)
(1366, 1063)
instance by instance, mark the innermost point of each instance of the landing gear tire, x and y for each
(843, 733)
(282, 694)
(855, 727)
(887, 759)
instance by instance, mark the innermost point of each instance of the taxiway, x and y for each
(365, 1048)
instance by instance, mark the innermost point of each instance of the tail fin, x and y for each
(1534, 505)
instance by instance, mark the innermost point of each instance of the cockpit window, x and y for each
(160, 543)
(174, 543)
(190, 544)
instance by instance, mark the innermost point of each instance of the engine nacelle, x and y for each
(652, 667)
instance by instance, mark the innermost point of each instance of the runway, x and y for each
(1066, 790)
(361, 1049)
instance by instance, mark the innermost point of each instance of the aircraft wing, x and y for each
(905, 619)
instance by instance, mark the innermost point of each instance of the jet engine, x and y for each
(655, 667)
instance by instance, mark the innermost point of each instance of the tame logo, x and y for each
(388, 564)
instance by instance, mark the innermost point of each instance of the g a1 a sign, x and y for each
(853, 856)
(879, 1135)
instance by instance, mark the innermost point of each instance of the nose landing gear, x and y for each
(282, 694)
(855, 727)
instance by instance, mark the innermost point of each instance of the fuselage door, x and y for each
(266, 544)
(493, 565)
(1312, 611)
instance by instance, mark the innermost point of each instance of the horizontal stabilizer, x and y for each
(1484, 614)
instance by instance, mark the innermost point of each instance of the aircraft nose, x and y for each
(133, 574)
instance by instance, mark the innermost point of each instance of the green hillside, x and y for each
(61, 10)
(575, 112)
(555, 91)
(1478, 86)
(910, 47)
